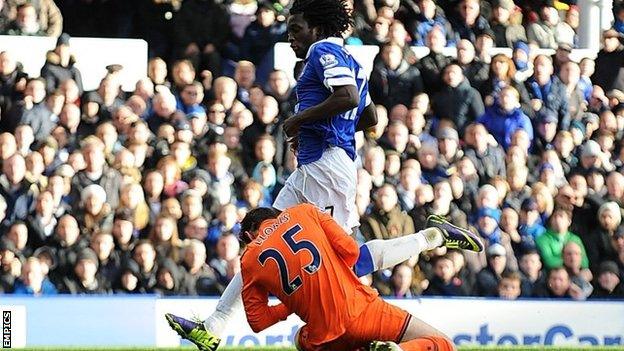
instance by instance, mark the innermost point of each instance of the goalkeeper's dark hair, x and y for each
(331, 17)
(253, 219)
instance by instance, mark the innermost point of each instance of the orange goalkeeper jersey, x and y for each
(305, 259)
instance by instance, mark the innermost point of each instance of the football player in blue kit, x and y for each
(332, 105)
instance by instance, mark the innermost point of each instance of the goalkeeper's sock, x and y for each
(428, 343)
(388, 253)
(229, 303)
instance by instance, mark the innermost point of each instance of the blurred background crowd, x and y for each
(112, 191)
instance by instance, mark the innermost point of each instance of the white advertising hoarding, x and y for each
(466, 321)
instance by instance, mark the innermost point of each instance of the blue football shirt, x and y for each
(327, 65)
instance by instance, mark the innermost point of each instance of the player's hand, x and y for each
(291, 126)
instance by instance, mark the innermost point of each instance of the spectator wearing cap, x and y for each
(506, 23)
(449, 148)
(475, 70)
(521, 56)
(469, 23)
(430, 16)
(386, 220)
(550, 244)
(200, 34)
(598, 242)
(393, 81)
(489, 277)
(431, 66)
(608, 284)
(83, 279)
(570, 74)
(505, 117)
(60, 66)
(33, 281)
(128, 279)
(169, 279)
(609, 71)
(457, 101)
(547, 91)
(592, 158)
(546, 121)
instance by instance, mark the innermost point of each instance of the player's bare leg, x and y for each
(419, 336)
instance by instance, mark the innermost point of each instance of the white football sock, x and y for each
(389, 253)
(229, 303)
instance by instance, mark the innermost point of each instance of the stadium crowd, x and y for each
(141, 192)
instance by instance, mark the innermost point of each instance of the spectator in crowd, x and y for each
(60, 66)
(260, 37)
(431, 66)
(609, 284)
(32, 281)
(444, 281)
(401, 282)
(393, 81)
(507, 24)
(572, 261)
(386, 220)
(547, 92)
(550, 244)
(490, 277)
(598, 241)
(505, 117)
(25, 22)
(509, 286)
(83, 279)
(558, 285)
(470, 24)
(545, 31)
(608, 70)
(457, 101)
(475, 70)
(169, 280)
(430, 15)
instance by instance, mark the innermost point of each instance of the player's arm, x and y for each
(341, 241)
(256, 302)
(368, 118)
(342, 99)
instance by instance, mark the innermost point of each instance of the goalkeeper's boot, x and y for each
(454, 236)
(384, 346)
(194, 332)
